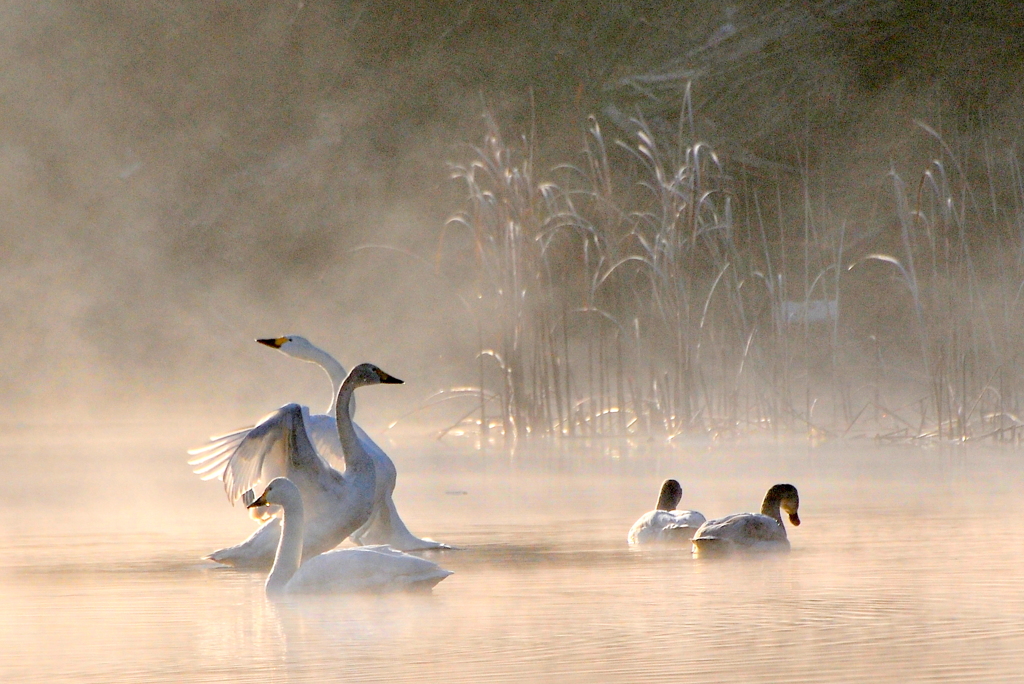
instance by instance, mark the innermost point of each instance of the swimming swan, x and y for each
(337, 504)
(665, 524)
(762, 531)
(385, 526)
(364, 568)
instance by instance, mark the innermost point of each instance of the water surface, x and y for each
(907, 568)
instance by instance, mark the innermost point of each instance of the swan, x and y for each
(664, 523)
(338, 504)
(385, 526)
(362, 568)
(762, 531)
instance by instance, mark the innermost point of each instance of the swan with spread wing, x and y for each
(384, 526)
(337, 504)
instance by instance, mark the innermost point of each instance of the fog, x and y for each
(604, 244)
(180, 178)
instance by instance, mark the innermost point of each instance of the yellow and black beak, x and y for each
(388, 379)
(794, 518)
(261, 501)
(273, 342)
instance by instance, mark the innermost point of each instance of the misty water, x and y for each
(907, 568)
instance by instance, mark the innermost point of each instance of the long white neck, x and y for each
(357, 461)
(335, 371)
(289, 548)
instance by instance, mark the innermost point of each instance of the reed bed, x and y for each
(651, 289)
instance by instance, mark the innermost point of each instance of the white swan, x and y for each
(337, 504)
(385, 526)
(665, 524)
(364, 568)
(762, 531)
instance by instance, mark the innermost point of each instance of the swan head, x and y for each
(369, 374)
(281, 491)
(784, 496)
(292, 345)
(671, 493)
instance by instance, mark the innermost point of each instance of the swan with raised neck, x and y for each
(367, 568)
(336, 504)
(299, 347)
(357, 459)
(385, 525)
(665, 523)
(670, 495)
(282, 492)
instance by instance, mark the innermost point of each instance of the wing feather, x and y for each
(323, 433)
(270, 449)
(276, 446)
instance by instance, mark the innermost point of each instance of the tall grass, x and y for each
(650, 289)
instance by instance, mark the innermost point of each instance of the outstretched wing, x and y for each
(211, 459)
(245, 459)
(323, 432)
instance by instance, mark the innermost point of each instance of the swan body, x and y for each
(384, 526)
(365, 568)
(664, 523)
(756, 532)
(279, 446)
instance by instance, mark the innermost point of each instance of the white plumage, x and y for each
(756, 532)
(367, 568)
(665, 524)
(384, 526)
(338, 504)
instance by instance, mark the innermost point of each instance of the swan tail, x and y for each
(233, 558)
(385, 526)
(255, 553)
(710, 546)
(428, 583)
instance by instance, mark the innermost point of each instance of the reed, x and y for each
(648, 290)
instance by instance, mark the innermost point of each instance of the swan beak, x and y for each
(389, 379)
(262, 501)
(273, 342)
(794, 518)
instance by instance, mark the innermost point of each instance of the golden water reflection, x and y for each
(907, 568)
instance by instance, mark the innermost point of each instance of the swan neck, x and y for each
(668, 500)
(289, 548)
(771, 507)
(335, 371)
(357, 460)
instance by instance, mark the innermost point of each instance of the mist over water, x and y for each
(682, 234)
(181, 178)
(904, 569)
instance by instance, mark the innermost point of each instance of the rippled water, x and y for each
(907, 568)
